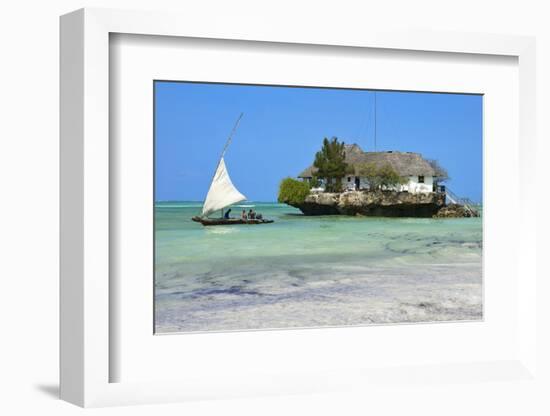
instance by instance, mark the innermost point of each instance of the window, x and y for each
(421, 179)
(349, 178)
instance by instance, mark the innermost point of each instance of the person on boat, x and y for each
(243, 215)
(226, 216)
(259, 216)
(251, 214)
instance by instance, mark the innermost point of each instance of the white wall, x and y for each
(29, 207)
(412, 186)
(348, 184)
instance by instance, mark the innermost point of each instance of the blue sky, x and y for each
(283, 127)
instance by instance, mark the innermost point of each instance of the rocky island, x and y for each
(371, 203)
(344, 180)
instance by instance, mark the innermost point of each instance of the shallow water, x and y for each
(312, 271)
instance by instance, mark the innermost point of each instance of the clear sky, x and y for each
(283, 127)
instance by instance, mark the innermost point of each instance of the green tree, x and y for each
(389, 177)
(314, 182)
(369, 171)
(292, 191)
(331, 164)
(380, 176)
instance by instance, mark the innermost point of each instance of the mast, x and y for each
(231, 135)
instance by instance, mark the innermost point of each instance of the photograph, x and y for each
(285, 207)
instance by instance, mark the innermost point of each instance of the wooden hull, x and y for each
(230, 221)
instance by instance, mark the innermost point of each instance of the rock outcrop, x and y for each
(373, 203)
(455, 211)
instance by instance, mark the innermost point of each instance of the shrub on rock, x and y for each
(292, 191)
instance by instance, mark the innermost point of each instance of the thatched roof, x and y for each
(404, 163)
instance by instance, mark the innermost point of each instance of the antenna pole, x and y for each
(375, 121)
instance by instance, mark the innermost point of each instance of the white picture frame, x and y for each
(86, 305)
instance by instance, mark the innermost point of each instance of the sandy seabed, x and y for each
(339, 296)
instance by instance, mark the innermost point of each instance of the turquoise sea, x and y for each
(312, 271)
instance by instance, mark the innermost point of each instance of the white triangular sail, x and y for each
(222, 192)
